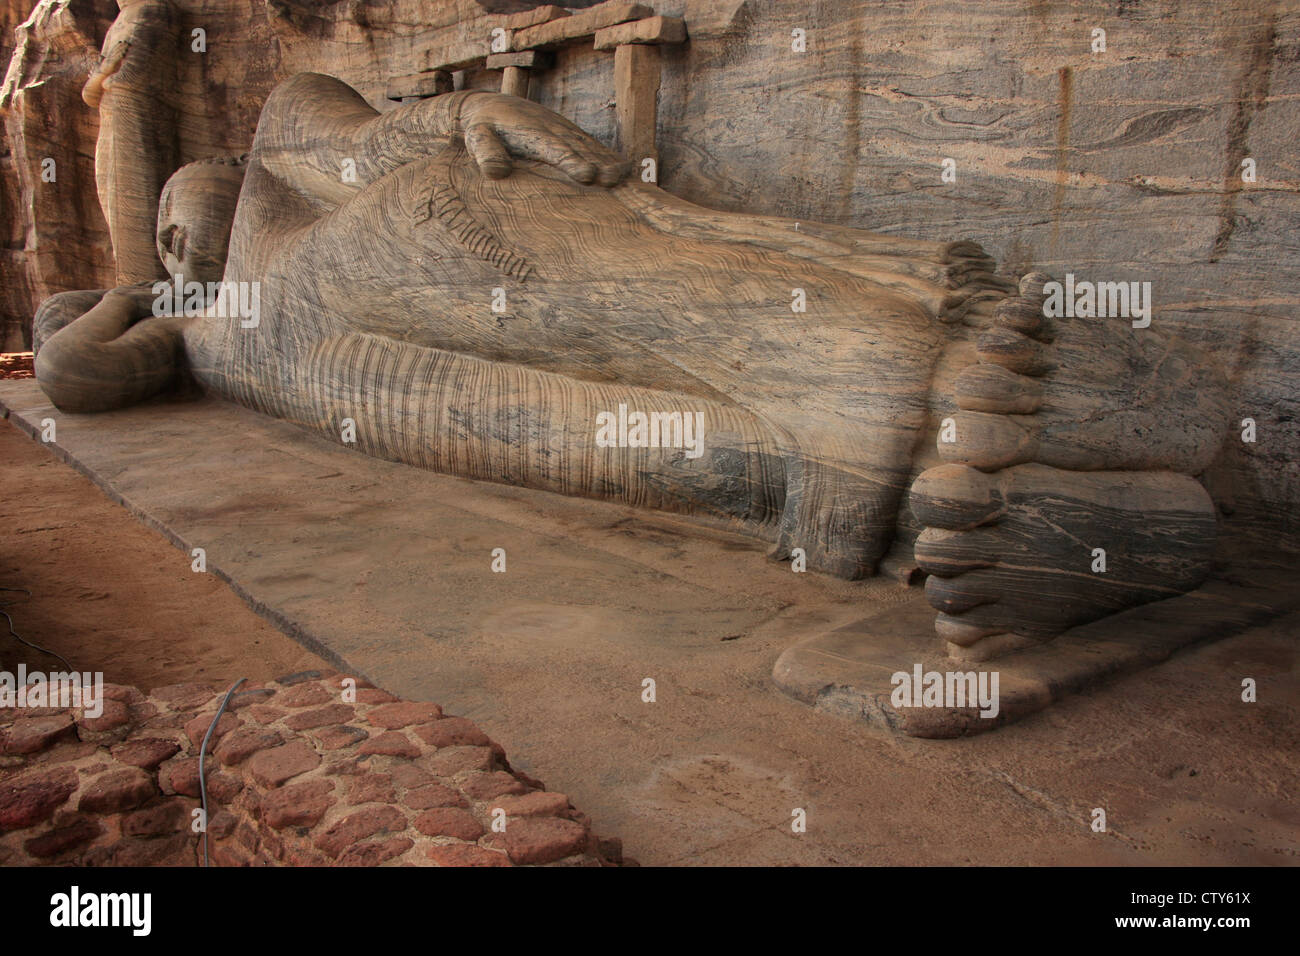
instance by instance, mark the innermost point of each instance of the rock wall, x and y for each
(1116, 165)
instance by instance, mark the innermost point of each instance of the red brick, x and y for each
(116, 714)
(488, 786)
(535, 840)
(223, 787)
(221, 825)
(198, 727)
(357, 826)
(184, 696)
(449, 821)
(27, 735)
(15, 711)
(304, 695)
(123, 692)
(333, 714)
(537, 804)
(250, 696)
(264, 714)
(390, 744)
(239, 745)
(298, 804)
(372, 854)
(371, 788)
(147, 714)
(393, 716)
(166, 817)
(452, 732)
(116, 791)
(247, 836)
(145, 752)
(230, 856)
(297, 854)
(408, 775)
(271, 768)
(181, 775)
(465, 854)
(453, 760)
(373, 695)
(336, 738)
(433, 795)
(347, 766)
(176, 849)
(77, 833)
(34, 797)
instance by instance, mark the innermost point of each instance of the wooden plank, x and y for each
(585, 24)
(636, 90)
(649, 30)
(528, 59)
(531, 18)
(461, 56)
(430, 83)
(514, 81)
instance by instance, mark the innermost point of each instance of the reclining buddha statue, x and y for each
(476, 287)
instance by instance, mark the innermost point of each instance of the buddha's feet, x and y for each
(1069, 493)
(1087, 394)
(1018, 555)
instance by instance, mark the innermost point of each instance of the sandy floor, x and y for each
(110, 594)
(1186, 772)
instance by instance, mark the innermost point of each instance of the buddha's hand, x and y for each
(142, 300)
(104, 76)
(497, 127)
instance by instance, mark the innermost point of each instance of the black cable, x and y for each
(21, 640)
(203, 787)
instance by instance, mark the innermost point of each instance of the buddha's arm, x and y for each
(114, 355)
(93, 91)
(140, 46)
(318, 135)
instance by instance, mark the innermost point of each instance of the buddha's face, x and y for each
(195, 213)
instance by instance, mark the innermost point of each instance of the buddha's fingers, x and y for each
(488, 151)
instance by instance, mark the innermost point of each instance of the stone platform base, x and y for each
(850, 670)
(384, 570)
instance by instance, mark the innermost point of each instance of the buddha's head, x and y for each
(195, 213)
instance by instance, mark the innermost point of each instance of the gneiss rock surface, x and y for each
(1128, 161)
(482, 286)
(282, 791)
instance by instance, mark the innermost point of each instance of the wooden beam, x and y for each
(462, 56)
(649, 30)
(531, 18)
(636, 92)
(579, 25)
(419, 85)
(514, 81)
(528, 59)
